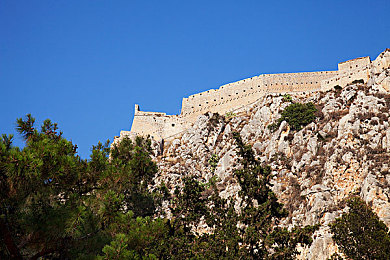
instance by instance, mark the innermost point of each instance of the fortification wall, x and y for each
(235, 95)
(349, 71)
(343, 79)
(157, 125)
(354, 64)
(222, 100)
(296, 82)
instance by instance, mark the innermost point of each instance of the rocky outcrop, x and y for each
(344, 152)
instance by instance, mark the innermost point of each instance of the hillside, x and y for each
(262, 182)
(344, 152)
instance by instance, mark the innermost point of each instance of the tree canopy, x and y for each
(360, 234)
(297, 115)
(57, 206)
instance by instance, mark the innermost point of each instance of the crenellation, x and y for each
(232, 96)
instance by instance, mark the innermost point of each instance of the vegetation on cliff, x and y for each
(55, 205)
(360, 234)
(297, 115)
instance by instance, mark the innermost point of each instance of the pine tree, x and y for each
(360, 234)
(42, 193)
(55, 205)
(261, 212)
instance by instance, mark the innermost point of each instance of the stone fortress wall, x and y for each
(156, 124)
(238, 94)
(229, 97)
(349, 71)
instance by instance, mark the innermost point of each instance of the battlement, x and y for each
(235, 95)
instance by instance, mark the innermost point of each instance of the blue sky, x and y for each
(84, 64)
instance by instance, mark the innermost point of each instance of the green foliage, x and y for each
(360, 234)
(118, 249)
(6, 140)
(26, 127)
(212, 181)
(142, 237)
(224, 241)
(261, 211)
(189, 205)
(213, 162)
(43, 189)
(55, 205)
(284, 243)
(273, 127)
(132, 170)
(230, 115)
(297, 115)
(287, 98)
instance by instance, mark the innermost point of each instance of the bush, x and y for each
(337, 87)
(297, 115)
(230, 115)
(213, 162)
(273, 126)
(360, 234)
(287, 98)
(356, 81)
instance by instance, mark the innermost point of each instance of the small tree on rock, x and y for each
(360, 234)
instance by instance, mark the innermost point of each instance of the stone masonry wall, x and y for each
(349, 71)
(231, 96)
(156, 124)
(238, 94)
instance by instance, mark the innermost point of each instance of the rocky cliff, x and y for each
(344, 152)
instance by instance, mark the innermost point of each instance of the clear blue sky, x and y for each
(84, 64)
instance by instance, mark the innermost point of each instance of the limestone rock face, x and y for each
(344, 152)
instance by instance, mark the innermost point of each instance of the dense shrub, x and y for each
(297, 115)
(337, 87)
(230, 115)
(360, 234)
(213, 162)
(287, 98)
(356, 81)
